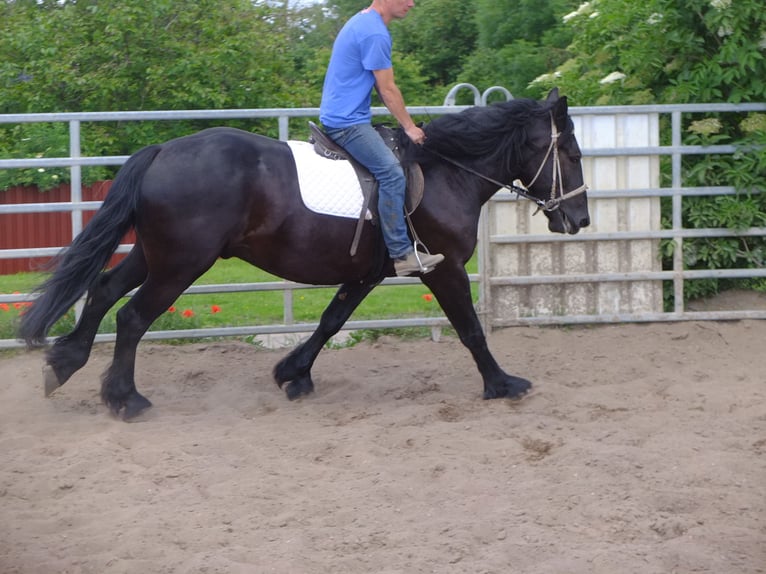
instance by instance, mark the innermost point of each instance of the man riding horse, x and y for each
(361, 60)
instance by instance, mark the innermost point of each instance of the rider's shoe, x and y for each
(415, 262)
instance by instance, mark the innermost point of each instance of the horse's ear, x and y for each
(561, 112)
(553, 95)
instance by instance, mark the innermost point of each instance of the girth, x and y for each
(326, 147)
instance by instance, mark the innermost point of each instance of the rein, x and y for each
(557, 185)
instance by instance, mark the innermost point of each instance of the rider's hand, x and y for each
(416, 134)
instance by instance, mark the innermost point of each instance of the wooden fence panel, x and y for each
(53, 229)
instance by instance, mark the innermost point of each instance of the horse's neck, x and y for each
(471, 178)
(492, 178)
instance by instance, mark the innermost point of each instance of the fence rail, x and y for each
(487, 242)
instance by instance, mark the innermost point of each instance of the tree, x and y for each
(344, 9)
(166, 54)
(136, 55)
(503, 22)
(669, 51)
(518, 40)
(440, 34)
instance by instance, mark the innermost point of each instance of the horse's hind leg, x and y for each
(70, 352)
(118, 387)
(295, 368)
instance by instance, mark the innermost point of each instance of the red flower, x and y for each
(4, 307)
(215, 309)
(17, 305)
(188, 313)
(171, 309)
(427, 297)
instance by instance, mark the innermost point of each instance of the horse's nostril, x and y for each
(585, 222)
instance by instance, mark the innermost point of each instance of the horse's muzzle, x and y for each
(560, 222)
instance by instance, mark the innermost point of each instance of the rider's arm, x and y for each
(392, 97)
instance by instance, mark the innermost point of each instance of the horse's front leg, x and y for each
(295, 368)
(451, 287)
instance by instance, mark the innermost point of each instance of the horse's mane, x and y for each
(494, 133)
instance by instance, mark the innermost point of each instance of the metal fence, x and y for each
(671, 120)
(676, 233)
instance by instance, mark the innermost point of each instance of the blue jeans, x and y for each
(369, 149)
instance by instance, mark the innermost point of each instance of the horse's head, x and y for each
(552, 169)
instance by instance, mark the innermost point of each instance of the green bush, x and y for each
(136, 55)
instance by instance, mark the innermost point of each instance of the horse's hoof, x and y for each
(51, 381)
(299, 387)
(281, 376)
(134, 406)
(511, 388)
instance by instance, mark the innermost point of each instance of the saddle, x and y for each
(327, 148)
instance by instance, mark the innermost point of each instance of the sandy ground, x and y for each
(642, 449)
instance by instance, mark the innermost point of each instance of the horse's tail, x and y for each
(78, 266)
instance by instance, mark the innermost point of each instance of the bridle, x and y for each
(558, 196)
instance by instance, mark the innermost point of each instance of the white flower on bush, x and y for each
(545, 78)
(612, 78)
(655, 18)
(753, 123)
(584, 7)
(705, 127)
(720, 4)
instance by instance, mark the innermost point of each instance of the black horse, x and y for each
(229, 193)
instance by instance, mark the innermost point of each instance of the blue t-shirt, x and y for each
(363, 45)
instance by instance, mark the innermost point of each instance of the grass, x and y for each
(241, 309)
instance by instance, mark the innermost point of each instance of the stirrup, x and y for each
(417, 254)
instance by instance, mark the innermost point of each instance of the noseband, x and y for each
(557, 185)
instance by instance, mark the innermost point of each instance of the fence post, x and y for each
(677, 219)
(76, 176)
(284, 127)
(485, 305)
(287, 294)
(75, 193)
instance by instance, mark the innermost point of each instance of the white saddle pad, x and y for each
(330, 187)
